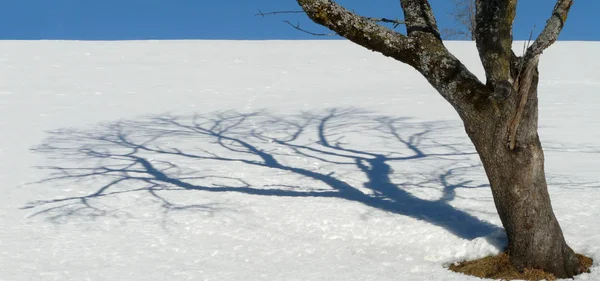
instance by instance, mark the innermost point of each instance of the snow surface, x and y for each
(300, 160)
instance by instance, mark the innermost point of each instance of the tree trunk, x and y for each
(518, 183)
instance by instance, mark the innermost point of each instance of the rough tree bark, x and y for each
(500, 116)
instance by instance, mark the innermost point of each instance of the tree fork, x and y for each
(531, 59)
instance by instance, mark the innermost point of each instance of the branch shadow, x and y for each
(349, 153)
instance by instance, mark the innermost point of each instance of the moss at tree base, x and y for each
(499, 267)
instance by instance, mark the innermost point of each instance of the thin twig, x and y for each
(396, 22)
(297, 26)
(530, 37)
(522, 62)
(260, 13)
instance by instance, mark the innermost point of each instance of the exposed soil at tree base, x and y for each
(499, 267)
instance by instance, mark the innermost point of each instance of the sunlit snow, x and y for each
(274, 160)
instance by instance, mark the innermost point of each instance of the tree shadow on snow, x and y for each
(348, 152)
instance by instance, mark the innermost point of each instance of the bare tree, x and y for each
(500, 116)
(464, 15)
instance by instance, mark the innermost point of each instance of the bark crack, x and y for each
(523, 85)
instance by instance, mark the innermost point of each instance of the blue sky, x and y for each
(233, 19)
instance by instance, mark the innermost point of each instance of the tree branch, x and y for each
(531, 59)
(395, 22)
(553, 28)
(419, 17)
(493, 35)
(422, 50)
(360, 30)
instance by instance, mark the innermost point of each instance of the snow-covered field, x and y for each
(300, 160)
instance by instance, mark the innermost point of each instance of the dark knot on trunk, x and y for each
(503, 90)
